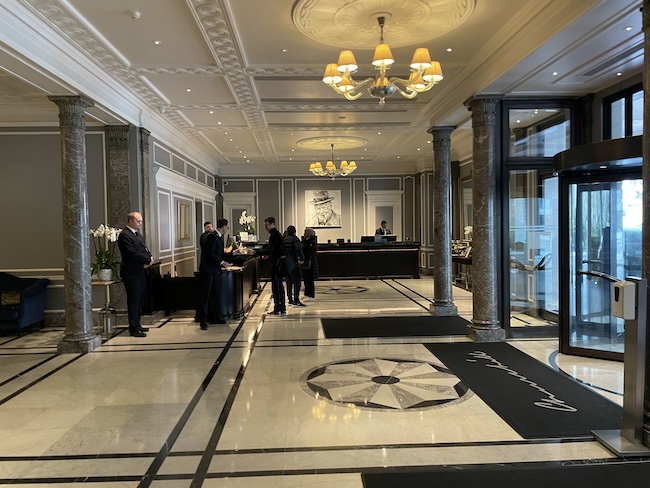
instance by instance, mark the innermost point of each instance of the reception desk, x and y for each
(183, 293)
(364, 260)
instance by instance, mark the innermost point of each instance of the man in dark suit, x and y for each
(136, 260)
(207, 230)
(383, 230)
(210, 271)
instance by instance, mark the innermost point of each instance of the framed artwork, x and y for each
(323, 208)
(183, 220)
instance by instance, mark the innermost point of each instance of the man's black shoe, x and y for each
(204, 326)
(137, 333)
(144, 329)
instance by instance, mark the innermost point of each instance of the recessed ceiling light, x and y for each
(293, 150)
(157, 43)
(378, 133)
(211, 111)
(603, 166)
(619, 74)
(628, 28)
(518, 121)
(418, 148)
(230, 140)
(365, 148)
(290, 159)
(219, 123)
(428, 142)
(188, 90)
(554, 73)
(449, 49)
(285, 50)
(397, 157)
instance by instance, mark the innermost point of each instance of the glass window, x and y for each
(617, 118)
(637, 113)
(534, 294)
(623, 114)
(538, 133)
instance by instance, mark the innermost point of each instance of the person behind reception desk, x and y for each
(209, 277)
(293, 251)
(383, 230)
(273, 253)
(136, 260)
(310, 265)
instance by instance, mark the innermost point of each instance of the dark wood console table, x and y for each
(182, 293)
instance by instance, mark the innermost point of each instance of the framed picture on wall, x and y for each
(323, 208)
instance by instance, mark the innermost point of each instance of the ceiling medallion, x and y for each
(353, 24)
(325, 142)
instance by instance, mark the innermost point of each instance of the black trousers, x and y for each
(293, 284)
(136, 287)
(209, 306)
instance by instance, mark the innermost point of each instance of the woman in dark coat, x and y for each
(310, 266)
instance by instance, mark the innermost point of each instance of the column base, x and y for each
(79, 346)
(486, 335)
(443, 310)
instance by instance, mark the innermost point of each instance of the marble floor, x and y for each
(230, 407)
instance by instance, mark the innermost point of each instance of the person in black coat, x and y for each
(293, 253)
(136, 260)
(210, 271)
(310, 266)
(273, 253)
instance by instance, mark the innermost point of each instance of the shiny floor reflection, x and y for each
(262, 401)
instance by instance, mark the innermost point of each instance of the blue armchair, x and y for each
(22, 301)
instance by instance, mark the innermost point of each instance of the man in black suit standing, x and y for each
(207, 230)
(136, 260)
(383, 230)
(210, 271)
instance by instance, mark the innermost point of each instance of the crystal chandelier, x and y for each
(424, 74)
(330, 169)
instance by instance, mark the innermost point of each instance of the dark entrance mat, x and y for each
(394, 327)
(528, 475)
(532, 398)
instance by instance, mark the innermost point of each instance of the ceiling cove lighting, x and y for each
(424, 74)
(330, 169)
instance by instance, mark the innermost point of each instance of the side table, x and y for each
(107, 313)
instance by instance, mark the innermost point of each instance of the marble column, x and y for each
(646, 204)
(485, 323)
(145, 176)
(119, 183)
(119, 192)
(443, 304)
(79, 336)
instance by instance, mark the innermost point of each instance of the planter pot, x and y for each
(105, 274)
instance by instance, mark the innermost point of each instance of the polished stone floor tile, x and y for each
(245, 401)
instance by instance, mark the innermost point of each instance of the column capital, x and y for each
(71, 100)
(441, 130)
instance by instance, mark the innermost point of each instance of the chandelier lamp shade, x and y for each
(330, 168)
(424, 74)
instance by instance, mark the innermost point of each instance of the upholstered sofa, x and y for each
(22, 301)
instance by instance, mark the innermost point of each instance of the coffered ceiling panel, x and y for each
(258, 65)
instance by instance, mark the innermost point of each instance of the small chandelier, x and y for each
(331, 170)
(424, 74)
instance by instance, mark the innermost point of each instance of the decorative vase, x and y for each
(105, 274)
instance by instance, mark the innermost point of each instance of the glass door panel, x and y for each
(533, 226)
(605, 221)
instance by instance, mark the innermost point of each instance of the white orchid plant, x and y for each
(468, 231)
(246, 222)
(104, 238)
